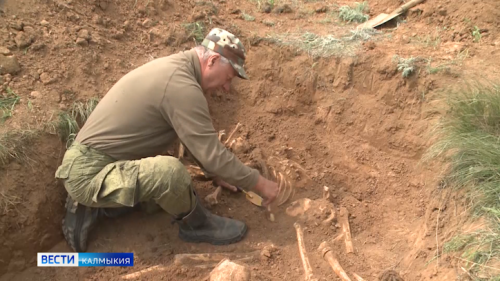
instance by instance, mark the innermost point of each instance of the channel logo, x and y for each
(85, 259)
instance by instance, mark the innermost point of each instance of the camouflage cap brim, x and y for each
(241, 72)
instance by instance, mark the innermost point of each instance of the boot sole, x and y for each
(72, 236)
(210, 240)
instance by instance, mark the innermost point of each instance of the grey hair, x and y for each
(206, 53)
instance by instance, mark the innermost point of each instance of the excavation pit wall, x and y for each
(353, 124)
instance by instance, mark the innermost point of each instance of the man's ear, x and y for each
(213, 59)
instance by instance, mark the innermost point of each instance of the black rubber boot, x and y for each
(77, 224)
(80, 220)
(202, 226)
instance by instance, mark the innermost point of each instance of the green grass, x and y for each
(7, 103)
(313, 44)
(362, 34)
(476, 33)
(354, 14)
(468, 140)
(321, 46)
(68, 123)
(195, 30)
(248, 17)
(16, 144)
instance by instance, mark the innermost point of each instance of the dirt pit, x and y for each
(348, 121)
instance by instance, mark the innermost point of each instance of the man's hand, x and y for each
(219, 182)
(267, 189)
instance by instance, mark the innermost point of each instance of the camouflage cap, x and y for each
(228, 46)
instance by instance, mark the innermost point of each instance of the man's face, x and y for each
(219, 74)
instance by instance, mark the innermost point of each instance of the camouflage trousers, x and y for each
(96, 180)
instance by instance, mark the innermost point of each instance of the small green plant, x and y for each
(248, 17)
(357, 14)
(325, 20)
(406, 66)
(213, 8)
(7, 103)
(30, 105)
(476, 33)
(268, 22)
(195, 30)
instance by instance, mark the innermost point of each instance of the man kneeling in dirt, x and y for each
(114, 163)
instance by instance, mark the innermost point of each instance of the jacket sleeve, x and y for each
(186, 110)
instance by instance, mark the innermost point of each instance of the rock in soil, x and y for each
(230, 271)
(267, 8)
(4, 51)
(23, 40)
(390, 275)
(17, 26)
(147, 23)
(82, 42)
(284, 9)
(9, 65)
(46, 78)
(35, 94)
(84, 33)
(323, 9)
(44, 23)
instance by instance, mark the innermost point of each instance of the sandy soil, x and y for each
(350, 122)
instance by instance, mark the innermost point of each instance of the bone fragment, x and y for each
(346, 229)
(232, 133)
(213, 198)
(326, 253)
(308, 273)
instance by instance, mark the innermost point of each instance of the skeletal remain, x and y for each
(213, 198)
(312, 210)
(326, 196)
(210, 260)
(293, 164)
(181, 151)
(357, 277)
(346, 229)
(232, 133)
(285, 187)
(326, 192)
(308, 273)
(327, 254)
(299, 207)
(331, 218)
(270, 214)
(239, 145)
(227, 270)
